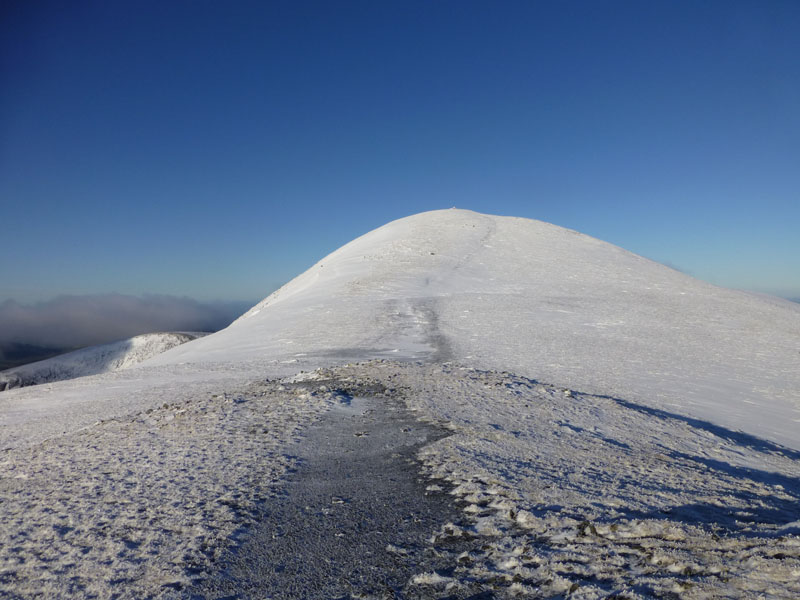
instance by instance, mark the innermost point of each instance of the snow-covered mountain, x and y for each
(612, 427)
(93, 360)
(538, 300)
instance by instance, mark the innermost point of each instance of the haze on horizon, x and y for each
(216, 151)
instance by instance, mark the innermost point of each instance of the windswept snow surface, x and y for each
(569, 494)
(94, 359)
(541, 301)
(617, 427)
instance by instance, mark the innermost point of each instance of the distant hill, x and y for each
(89, 361)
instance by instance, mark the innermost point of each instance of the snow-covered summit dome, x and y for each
(530, 297)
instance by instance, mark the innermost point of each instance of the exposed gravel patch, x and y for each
(354, 519)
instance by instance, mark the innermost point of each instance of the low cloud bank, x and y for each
(75, 321)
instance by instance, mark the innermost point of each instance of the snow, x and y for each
(592, 491)
(93, 360)
(144, 501)
(542, 301)
(617, 427)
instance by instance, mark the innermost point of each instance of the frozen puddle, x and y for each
(353, 520)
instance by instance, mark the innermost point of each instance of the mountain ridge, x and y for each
(94, 360)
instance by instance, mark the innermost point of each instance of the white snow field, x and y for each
(617, 428)
(93, 360)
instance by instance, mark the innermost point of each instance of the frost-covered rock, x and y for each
(9, 380)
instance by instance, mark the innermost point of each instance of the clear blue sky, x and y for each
(217, 149)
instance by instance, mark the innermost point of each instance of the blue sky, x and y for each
(217, 149)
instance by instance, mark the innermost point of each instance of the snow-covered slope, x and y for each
(611, 429)
(541, 301)
(103, 358)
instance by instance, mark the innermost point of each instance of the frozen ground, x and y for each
(658, 457)
(136, 506)
(553, 492)
(591, 496)
(353, 519)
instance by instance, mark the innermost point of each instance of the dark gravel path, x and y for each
(353, 520)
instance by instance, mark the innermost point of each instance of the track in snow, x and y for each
(354, 518)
